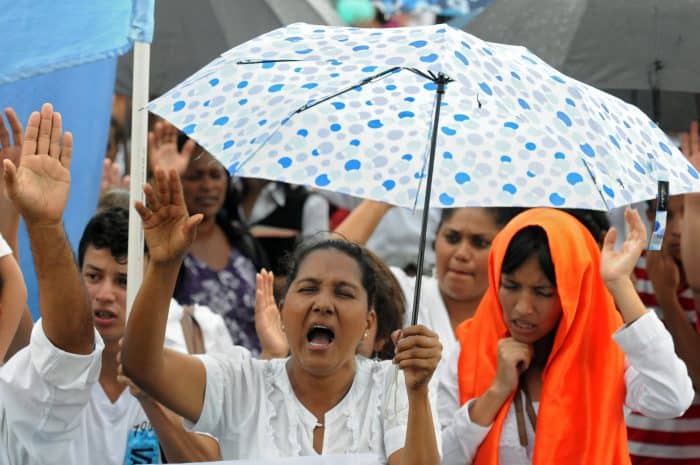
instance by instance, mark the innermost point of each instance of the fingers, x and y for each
(9, 176)
(4, 135)
(163, 187)
(637, 229)
(31, 134)
(151, 198)
(15, 125)
(66, 154)
(190, 228)
(55, 136)
(188, 148)
(144, 212)
(44, 139)
(609, 240)
(176, 196)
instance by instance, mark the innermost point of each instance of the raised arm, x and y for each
(176, 380)
(13, 303)
(39, 189)
(362, 221)
(690, 228)
(616, 266)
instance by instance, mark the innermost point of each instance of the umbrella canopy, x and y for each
(189, 34)
(644, 51)
(353, 110)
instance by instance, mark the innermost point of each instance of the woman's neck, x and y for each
(207, 227)
(307, 387)
(459, 310)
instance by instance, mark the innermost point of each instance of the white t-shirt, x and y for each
(214, 332)
(251, 408)
(656, 379)
(101, 432)
(43, 392)
(432, 312)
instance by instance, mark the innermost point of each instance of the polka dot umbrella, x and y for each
(421, 116)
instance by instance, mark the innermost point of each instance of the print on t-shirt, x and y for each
(142, 445)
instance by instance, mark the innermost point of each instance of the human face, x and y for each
(105, 281)
(204, 185)
(326, 313)
(461, 254)
(674, 220)
(531, 305)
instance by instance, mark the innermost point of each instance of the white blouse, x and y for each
(432, 311)
(656, 379)
(251, 408)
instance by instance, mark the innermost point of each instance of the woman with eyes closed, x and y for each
(547, 362)
(462, 244)
(323, 398)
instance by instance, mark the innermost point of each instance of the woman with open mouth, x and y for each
(547, 362)
(323, 398)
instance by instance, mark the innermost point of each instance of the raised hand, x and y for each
(268, 323)
(162, 148)
(513, 358)
(663, 272)
(616, 266)
(10, 149)
(112, 178)
(39, 186)
(168, 228)
(418, 352)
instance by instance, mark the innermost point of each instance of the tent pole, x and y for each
(139, 140)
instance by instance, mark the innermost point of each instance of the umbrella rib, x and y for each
(590, 173)
(365, 81)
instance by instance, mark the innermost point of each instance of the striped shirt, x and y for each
(665, 442)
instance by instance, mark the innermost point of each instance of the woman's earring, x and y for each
(364, 336)
(283, 327)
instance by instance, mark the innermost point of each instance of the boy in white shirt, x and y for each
(58, 405)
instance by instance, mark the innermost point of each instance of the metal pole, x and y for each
(440, 81)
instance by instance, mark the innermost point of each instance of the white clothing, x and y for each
(250, 406)
(396, 238)
(314, 215)
(93, 429)
(656, 379)
(215, 335)
(43, 393)
(432, 312)
(4, 247)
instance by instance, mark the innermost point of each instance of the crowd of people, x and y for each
(274, 320)
(538, 341)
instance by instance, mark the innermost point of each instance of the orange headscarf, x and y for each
(580, 418)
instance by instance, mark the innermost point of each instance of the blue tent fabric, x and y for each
(83, 95)
(41, 36)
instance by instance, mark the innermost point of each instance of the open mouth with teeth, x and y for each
(522, 326)
(104, 316)
(320, 337)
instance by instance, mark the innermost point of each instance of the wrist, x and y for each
(619, 286)
(499, 391)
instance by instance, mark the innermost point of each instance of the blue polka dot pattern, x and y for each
(512, 130)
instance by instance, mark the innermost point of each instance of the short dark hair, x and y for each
(528, 242)
(107, 229)
(352, 250)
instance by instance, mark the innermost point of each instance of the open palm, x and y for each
(619, 264)
(168, 228)
(39, 187)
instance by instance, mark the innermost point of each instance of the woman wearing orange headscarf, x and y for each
(547, 351)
